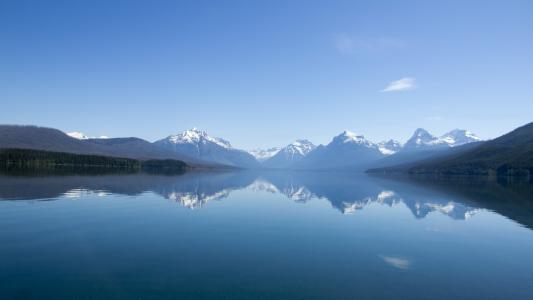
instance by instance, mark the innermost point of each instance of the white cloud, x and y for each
(404, 84)
(397, 262)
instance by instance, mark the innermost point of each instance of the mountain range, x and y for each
(354, 151)
(198, 148)
(508, 155)
(48, 139)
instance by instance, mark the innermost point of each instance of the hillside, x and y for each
(49, 139)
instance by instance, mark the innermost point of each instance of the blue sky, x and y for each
(263, 73)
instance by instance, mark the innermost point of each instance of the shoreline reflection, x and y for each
(346, 192)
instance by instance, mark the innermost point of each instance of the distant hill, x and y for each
(49, 139)
(508, 155)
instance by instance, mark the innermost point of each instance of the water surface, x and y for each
(247, 235)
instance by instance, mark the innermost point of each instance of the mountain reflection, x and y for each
(347, 192)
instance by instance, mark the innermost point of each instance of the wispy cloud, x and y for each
(347, 44)
(397, 262)
(404, 84)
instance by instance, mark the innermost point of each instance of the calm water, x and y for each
(264, 235)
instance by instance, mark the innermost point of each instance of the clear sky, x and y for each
(263, 73)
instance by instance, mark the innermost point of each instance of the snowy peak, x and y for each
(195, 136)
(458, 137)
(389, 147)
(80, 136)
(348, 137)
(423, 139)
(290, 154)
(198, 144)
(301, 147)
(262, 154)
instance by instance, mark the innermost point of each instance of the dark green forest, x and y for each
(23, 160)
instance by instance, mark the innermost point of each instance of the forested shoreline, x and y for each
(15, 160)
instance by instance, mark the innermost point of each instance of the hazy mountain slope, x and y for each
(422, 146)
(509, 154)
(346, 150)
(263, 154)
(138, 148)
(402, 161)
(41, 138)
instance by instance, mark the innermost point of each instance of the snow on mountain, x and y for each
(196, 136)
(77, 135)
(262, 154)
(80, 136)
(422, 139)
(299, 148)
(348, 137)
(458, 137)
(198, 144)
(290, 154)
(389, 147)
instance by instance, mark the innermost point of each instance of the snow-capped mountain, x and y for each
(347, 149)
(198, 144)
(80, 136)
(262, 154)
(422, 139)
(458, 137)
(290, 154)
(389, 147)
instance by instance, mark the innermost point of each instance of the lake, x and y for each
(264, 235)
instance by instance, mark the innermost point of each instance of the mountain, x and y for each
(423, 146)
(403, 160)
(290, 154)
(389, 147)
(458, 137)
(423, 140)
(510, 154)
(198, 144)
(48, 139)
(344, 151)
(261, 154)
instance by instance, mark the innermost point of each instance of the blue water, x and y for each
(269, 235)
